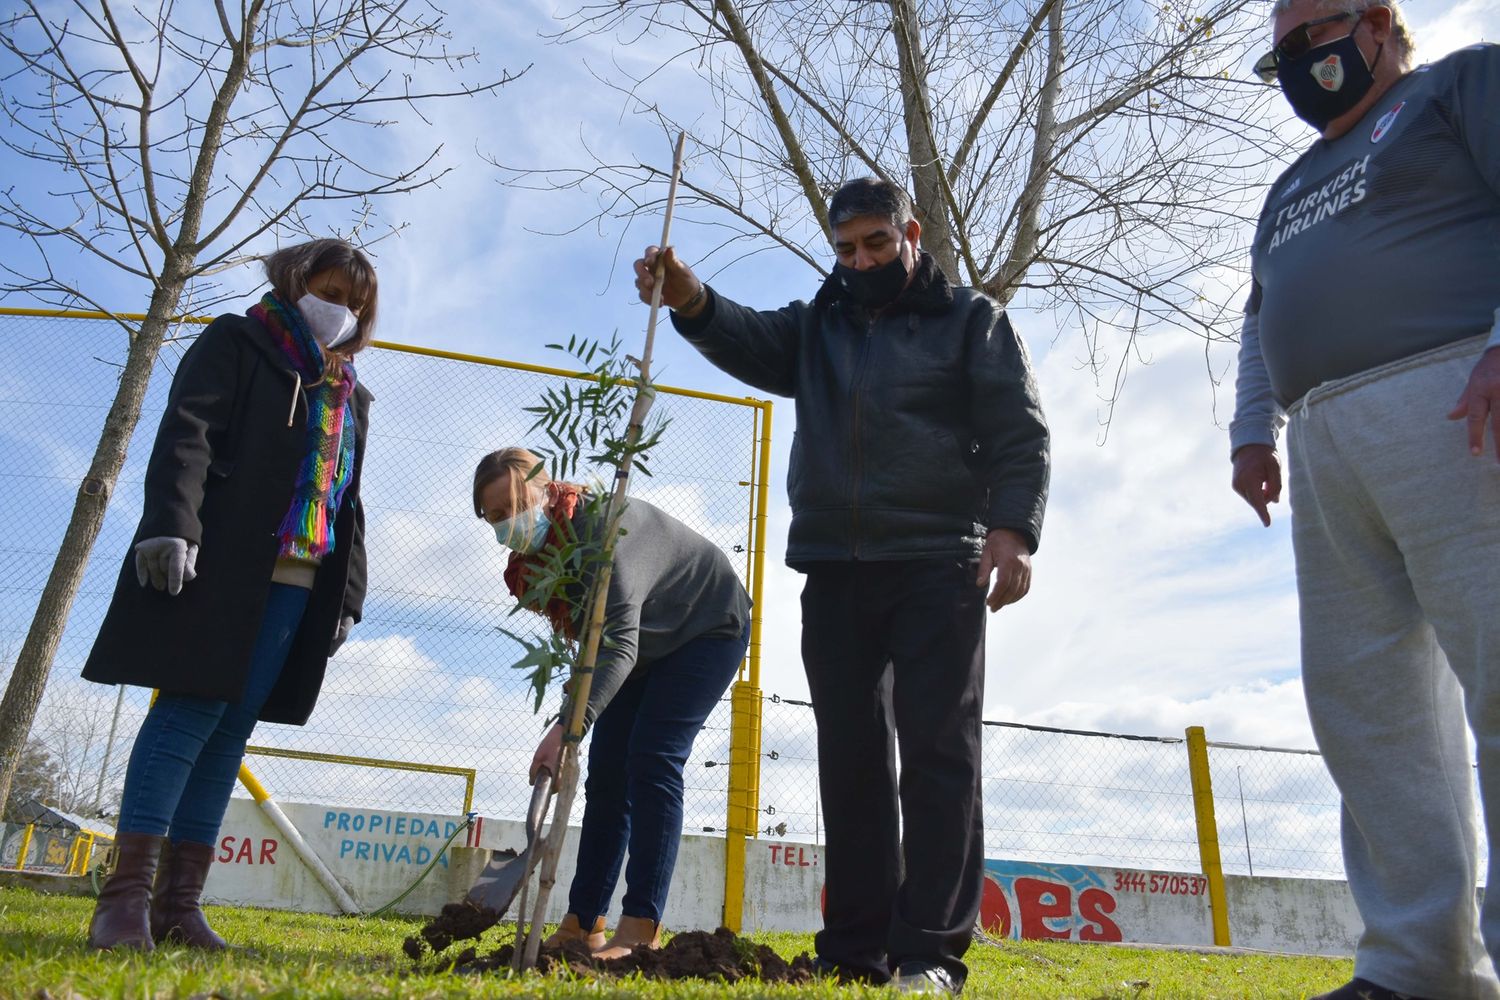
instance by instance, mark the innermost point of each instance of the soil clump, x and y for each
(720, 956)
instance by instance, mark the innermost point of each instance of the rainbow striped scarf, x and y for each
(307, 531)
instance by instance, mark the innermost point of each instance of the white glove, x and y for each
(167, 562)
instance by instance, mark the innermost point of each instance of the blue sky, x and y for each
(1158, 601)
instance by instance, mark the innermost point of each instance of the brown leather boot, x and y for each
(176, 917)
(631, 933)
(122, 915)
(571, 930)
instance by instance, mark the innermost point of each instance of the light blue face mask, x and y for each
(523, 532)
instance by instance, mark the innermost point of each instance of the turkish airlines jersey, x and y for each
(1386, 241)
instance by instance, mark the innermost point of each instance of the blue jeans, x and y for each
(641, 742)
(187, 754)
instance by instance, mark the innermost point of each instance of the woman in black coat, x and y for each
(245, 575)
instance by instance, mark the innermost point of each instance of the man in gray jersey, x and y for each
(1371, 325)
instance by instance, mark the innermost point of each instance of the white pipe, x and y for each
(294, 837)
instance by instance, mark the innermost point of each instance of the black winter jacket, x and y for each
(918, 429)
(220, 476)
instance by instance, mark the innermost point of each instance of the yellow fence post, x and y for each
(25, 846)
(1208, 831)
(744, 703)
(83, 850)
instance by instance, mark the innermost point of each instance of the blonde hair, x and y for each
(523, 468)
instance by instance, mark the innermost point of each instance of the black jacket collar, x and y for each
(929, 293)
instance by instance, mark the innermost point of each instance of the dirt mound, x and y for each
(460, 921)
(721, 956)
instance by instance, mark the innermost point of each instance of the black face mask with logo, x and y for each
(877, 287)
(1327, 80)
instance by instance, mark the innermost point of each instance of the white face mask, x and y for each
(330, 324)
(524, 532)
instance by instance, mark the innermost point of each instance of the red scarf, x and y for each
(560, 505)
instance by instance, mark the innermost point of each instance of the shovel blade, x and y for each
(501, 879)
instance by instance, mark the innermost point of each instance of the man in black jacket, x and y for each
(918, 476)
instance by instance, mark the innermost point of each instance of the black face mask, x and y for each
(875, 288)
(1327, 80)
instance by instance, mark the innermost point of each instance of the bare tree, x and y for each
(74, 732)
(1103, 155)
(174, 139)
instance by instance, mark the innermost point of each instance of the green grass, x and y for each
(42, 955)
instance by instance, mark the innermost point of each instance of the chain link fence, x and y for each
(427, 676)
(1278, 811)
(1058, 795)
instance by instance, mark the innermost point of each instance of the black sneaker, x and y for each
(924, 977)
(1363, 989)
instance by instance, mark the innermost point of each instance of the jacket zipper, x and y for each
(858, 463)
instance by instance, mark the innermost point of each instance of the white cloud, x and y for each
(387, 666)
(1153, 580)
(1260, 712)
(1441, 29)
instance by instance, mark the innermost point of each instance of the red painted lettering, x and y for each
(247, 852)
(775, 853)
(802, 861)
(1042, 901)
(268, 851)
(1093, 904)
(788, 858)
(994, 911)
(226, 852)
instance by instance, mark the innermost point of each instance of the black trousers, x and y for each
(896, 649)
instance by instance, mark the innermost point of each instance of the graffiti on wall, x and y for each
(1059, 902)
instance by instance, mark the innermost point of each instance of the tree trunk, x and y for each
(24, 692)
(1029, 206)
(926, 162)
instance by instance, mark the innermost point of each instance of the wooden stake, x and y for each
(583, 676)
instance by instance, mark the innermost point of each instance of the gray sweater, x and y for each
(669, 586)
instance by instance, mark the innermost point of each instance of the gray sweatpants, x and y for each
(1396, 529)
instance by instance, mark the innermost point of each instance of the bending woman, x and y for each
(246, 573)
(676, 628)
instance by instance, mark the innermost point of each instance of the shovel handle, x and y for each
(537, 811)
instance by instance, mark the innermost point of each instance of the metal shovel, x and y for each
(506, 871)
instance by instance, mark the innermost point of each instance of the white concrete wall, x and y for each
(377, 854)
(1309, 916)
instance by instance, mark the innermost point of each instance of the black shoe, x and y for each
(1363, 989)
(846, 974)
(924, 977)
